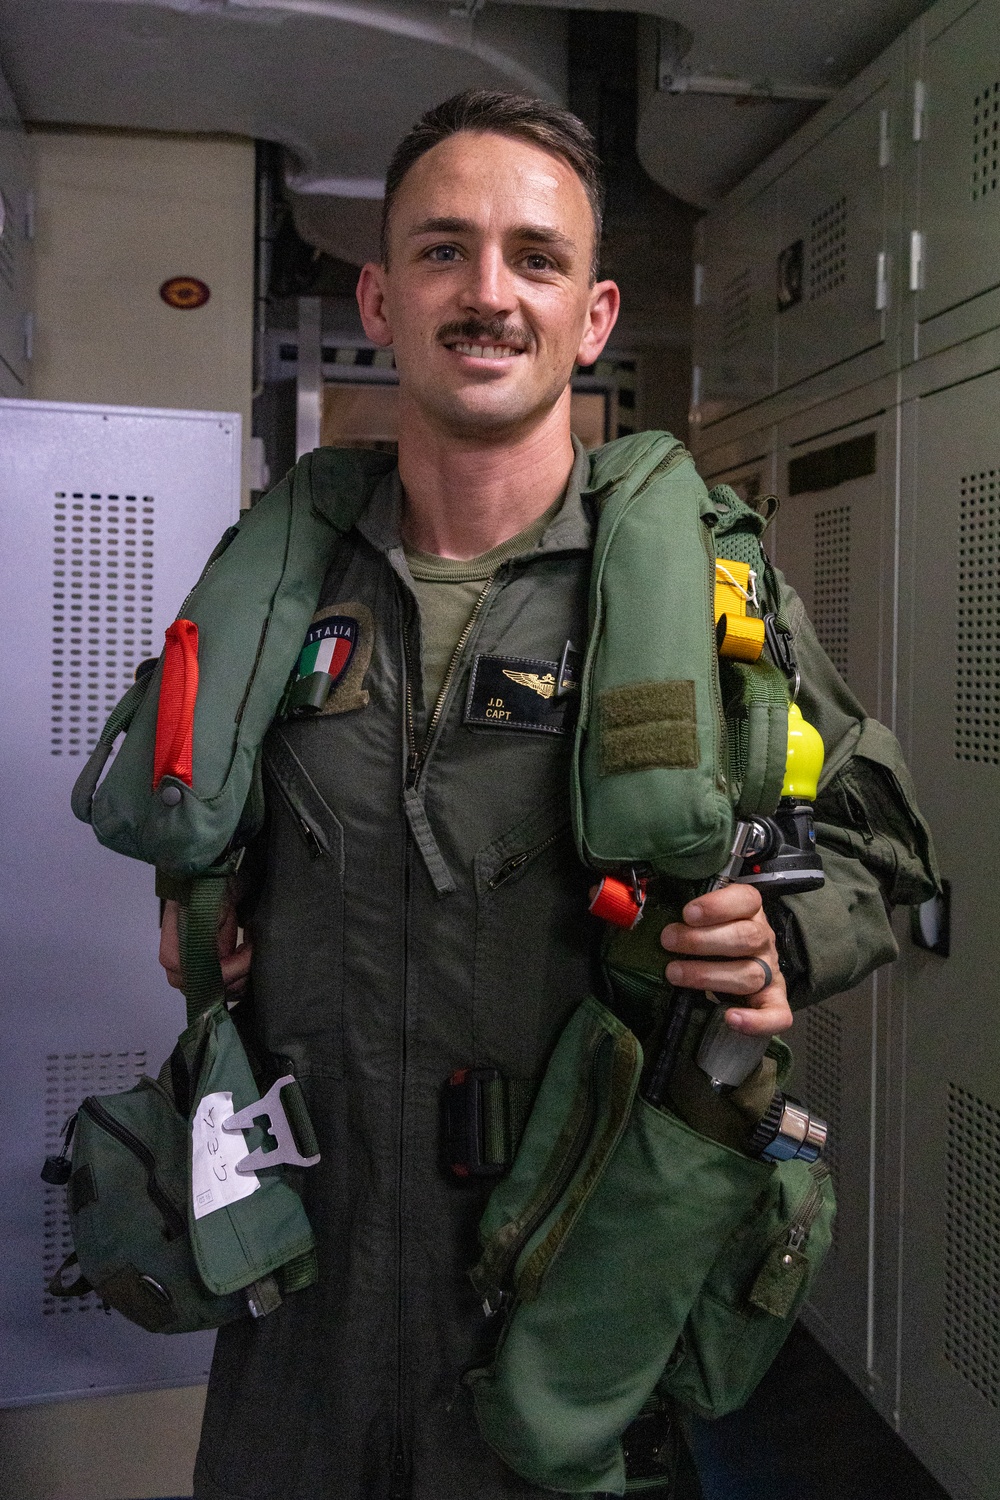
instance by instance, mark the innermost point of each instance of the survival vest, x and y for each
(656, 775)
(673, 744)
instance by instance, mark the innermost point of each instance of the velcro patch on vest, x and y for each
(335, 656)
(519, 692)
(648, 725)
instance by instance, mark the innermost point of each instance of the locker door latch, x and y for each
(930, 922)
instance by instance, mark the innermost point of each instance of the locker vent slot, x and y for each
(986, 142)
(977, 687)
(832, 582)
(825, 468)
(822, 1034)
(736, 311)
(972, 1243)
(828, 250)
(69, 1078)
(102, 609)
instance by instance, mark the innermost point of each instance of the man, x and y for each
(419, 906)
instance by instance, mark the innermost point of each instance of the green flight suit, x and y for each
(400, 935)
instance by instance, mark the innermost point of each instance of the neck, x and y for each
(466, 495)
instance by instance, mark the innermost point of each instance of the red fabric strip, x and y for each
(174, 752)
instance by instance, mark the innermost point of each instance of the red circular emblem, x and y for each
(184, 292)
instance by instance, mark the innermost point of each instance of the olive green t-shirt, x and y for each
(448, 590)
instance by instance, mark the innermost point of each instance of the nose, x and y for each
(489, 287)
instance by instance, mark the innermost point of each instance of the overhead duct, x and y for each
(338, 81)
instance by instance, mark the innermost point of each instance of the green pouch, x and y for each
(246, 1238)
(615, 1236)
(145, 1238)
(252, 607)
(128, 1213)
(648, 786)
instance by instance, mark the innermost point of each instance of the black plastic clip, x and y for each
(779, 644)
(473, 1124)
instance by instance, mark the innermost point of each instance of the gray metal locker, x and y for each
(949, 1286)
(832, 295)
(106, 518)
(955, 215)
(835, 542)
(747, 465)
(734, 297)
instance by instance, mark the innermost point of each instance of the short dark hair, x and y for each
(500, 113)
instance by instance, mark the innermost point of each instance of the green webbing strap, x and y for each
(118, 722)
(294, 1103)
(199, 927)
(300, 1272)
(506, 1106)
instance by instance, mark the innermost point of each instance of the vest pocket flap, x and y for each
(582, 1354)
(869, 811)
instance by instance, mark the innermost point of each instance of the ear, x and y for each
(371, 302)
(602, 315)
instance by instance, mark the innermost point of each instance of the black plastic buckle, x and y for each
(779, 643)
(464, 1124)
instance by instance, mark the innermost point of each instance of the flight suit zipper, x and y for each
(417, 755)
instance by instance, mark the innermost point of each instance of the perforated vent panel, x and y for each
(102, 609)
(819, 1036)
(977, 668)
(972, 1243)
(736, 311)
(827, 250)
(985, 142)
(69, 1078)
(832, 582)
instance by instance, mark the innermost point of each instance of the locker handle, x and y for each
(882, 281)
(930, 923)
(916, 260)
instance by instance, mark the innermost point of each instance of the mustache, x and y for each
(486, 331)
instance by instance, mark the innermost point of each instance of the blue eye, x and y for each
(537, 262)
(442, 253)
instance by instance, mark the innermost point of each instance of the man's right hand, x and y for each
(235, 959)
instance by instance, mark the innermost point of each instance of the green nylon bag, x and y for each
(669, 741)
(632, 1254)
(252, 607)
(139, 1239)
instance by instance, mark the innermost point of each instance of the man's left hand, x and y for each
(722, 932)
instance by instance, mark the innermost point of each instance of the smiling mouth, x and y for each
(485, 351)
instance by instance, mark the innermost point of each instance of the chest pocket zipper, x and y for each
(511, 866)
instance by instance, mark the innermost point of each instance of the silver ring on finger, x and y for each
(765, 968)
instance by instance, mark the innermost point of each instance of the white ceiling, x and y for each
(339, 81)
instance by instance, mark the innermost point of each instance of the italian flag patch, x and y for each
(328, 647)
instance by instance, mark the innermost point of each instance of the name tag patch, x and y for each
(520, 692)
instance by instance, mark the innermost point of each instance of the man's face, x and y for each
(487, 298)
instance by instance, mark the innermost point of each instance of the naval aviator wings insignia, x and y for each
(543, 686)
(518, 692)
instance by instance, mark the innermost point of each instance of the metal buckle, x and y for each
(286, 1152)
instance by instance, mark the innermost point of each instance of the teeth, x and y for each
(485, 351)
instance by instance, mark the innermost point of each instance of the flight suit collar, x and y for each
(570, 530)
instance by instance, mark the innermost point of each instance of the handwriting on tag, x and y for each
(215, 1181)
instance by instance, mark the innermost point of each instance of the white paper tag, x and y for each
(215, 1152)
